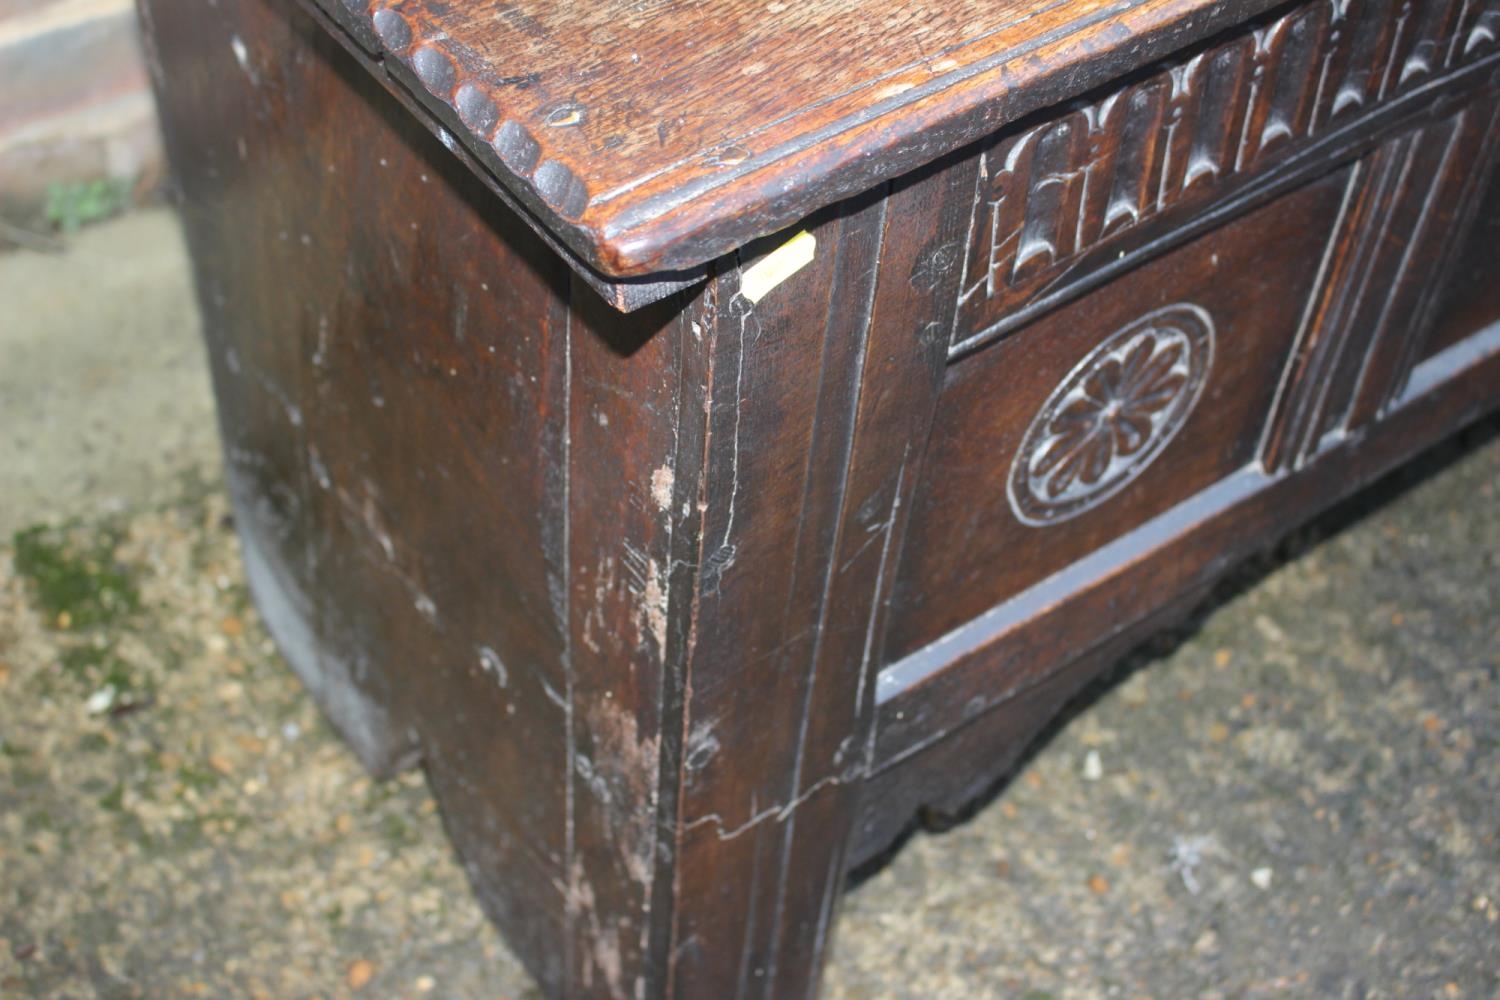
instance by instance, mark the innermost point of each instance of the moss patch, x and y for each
(72, 205)
(75, 586)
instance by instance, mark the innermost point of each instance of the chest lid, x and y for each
(649, 137)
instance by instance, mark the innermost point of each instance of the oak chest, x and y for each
(709, 436)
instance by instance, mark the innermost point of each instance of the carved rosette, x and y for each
(1112, 416)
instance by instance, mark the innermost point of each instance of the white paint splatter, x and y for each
(242, 56)
(661, 487)
(426, 608)
(489, 662)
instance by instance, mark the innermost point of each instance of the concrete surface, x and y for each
(1300, 798)
(104, 393)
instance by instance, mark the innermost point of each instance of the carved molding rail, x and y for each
(1076, 184)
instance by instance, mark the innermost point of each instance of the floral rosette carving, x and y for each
(1112, 415)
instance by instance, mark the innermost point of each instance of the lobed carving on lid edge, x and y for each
(447, 80)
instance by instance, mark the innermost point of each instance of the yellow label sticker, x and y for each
(759, 279)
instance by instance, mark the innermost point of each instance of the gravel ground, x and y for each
(1299, 796)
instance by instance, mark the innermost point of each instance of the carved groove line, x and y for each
(1476, 172)
(1052, 194)
(1112, 415)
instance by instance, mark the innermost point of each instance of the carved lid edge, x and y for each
(570, 241)
(660, 242)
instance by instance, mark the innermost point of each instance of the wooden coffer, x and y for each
(706, 438)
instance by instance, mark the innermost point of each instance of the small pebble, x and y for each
(102, 700)
(360, 974)
(1261, 877)
(1093, 767)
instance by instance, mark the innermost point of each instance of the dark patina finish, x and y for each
(694, 559)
